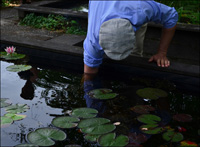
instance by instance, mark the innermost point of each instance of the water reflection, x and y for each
(118, 109)
(30, 76)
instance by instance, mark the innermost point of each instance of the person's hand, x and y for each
(160, 59)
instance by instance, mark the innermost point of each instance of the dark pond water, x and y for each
(52, 92)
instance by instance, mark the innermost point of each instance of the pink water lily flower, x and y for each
(10, 50)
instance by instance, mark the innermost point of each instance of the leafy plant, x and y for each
(18, 68)
(18, 108)
(5, 102)
(96, 126)
(65, 122)
(149, 119)
(15, 116)
(111, 140)
(53, 22)
(172, 136)
(5, 121)
(84, 112)
(102, 93)
(13, 56)
(46, 136)
(151, 93)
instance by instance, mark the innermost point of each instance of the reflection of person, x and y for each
(113, 25)
(28, 89)
(91, 82)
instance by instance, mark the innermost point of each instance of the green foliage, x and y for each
(53, 23)
(6, 3)
(18, 68)
(84, 112)
(188, 10)
(46, 136)
(111, 140)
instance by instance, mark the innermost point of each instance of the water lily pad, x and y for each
(46, 136)
(96, 126)
(84, 112)
(5, 121)
(26, 145)
(111, 140)
(151, 129)
(92, 138)
(149, 119)
(151, 93)
(5, 102)
(15, 116)
(172, 136)
(17, 108)
(13, 56)
(85, 123)
(101, 129)
(142, 109)
(102, 93)
(182, 117)
(65, 122)
(18, 68)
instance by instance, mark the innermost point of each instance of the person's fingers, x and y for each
(166, 63)
(162, 62)
(158, 62)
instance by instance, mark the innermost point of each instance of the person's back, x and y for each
(137, 12)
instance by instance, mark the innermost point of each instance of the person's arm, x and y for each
(90, 70)
(160, 57)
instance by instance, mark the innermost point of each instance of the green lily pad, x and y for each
(85, 123)
(84, 112)
(97, 130)
(102, 93)
(151, 129)
(17, 108)
(151, 93)
(26, 145)
(13, 56)
(91, 138)
(111, 140)
(149, 119)
(15, 116)
(5, 121)
(172, 136)
(2, 54)
(65, 122)
(5, 102)
(46, 136)
(142, 109)
(96, 126)
(18, 68)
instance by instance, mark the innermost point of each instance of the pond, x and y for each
(50, 92)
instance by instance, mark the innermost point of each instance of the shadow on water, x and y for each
(51, 90)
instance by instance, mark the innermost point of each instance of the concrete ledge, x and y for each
(68, 48)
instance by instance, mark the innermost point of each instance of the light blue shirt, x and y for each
(137, 12)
